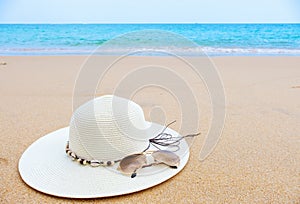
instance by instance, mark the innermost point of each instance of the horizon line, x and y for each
(35, 23)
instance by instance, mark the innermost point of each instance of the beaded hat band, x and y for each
(93, 163)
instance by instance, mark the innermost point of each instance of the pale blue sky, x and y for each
(155, 11)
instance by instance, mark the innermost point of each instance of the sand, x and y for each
(257, 159)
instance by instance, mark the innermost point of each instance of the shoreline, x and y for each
(209, 51)
(159, 56)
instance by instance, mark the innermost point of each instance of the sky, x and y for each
(150, 11)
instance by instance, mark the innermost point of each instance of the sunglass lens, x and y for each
(131, 163)
(167, 157)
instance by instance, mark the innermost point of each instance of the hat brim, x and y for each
(45, 167)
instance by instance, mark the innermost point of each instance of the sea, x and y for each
(190, 39)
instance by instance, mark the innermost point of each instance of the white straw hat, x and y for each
(103, 131)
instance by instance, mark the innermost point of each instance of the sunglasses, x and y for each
(129, 165)
(132, 163)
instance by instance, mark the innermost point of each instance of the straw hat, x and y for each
(103, 131)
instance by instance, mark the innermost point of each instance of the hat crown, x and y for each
(108, 128)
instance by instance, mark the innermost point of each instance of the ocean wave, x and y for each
(251, 51)
(194, 51)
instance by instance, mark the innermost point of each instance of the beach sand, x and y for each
(257, 159)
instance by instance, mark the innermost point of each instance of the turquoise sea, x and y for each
(213, 39)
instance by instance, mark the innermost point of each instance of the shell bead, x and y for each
(69, 152)
(73, 155)
(95, 163)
